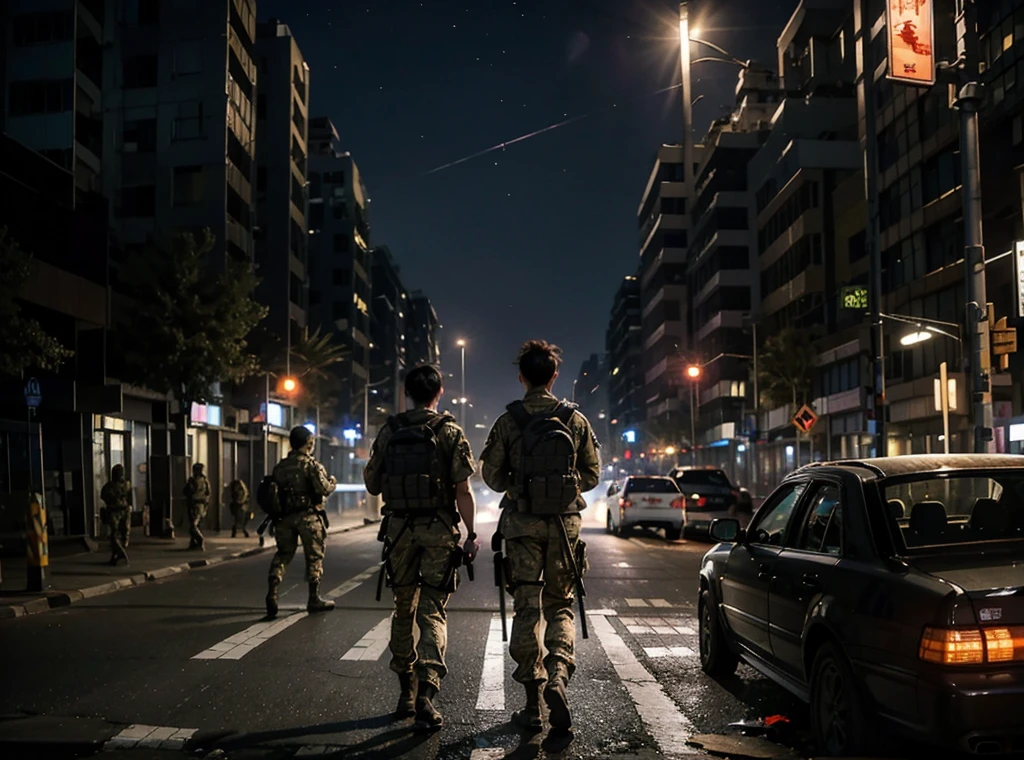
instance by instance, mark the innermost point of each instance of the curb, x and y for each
(67, 598)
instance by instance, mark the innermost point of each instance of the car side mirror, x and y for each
(612, 490)
(726, 530)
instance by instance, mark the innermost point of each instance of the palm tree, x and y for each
(786, 368)
(310, 358)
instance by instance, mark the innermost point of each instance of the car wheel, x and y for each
(673, 534)
(716, 659)
(839, 719)
(622, 530)
(608, 528)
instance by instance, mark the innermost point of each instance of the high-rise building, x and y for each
(625, 376)
(282, 117)
(339, 265)
(180, 134)
(388, 325)
(422, 329)
(590, 393)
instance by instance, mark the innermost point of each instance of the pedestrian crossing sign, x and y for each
(805, 419)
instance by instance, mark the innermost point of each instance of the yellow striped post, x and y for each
(36, 545)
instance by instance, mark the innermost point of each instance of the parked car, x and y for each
(709, 495)
(646, 501)
(884, 592)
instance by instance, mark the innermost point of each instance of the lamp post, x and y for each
(693, 372)
(462, 396)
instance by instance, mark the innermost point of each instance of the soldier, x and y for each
(303, 485)
(420, 464)
(197, 498)
(117, 495)
(540, 523)
(239, 507)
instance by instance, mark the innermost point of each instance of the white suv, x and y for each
(647, 501)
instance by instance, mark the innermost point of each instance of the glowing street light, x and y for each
(693, 372)
(670, 450)
(914, 338)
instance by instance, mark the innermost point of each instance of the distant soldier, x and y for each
(197, 498)
(302, 485)
(420, 464)
(117, 495)
(239, 507)
(542, 455)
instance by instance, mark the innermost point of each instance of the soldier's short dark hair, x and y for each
(423, 383)
(538, 361)
(299, 436)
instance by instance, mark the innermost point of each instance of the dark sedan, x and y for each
(888, 589)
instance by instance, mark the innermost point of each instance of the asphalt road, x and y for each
(313, 682)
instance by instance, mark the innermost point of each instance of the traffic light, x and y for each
(1002, 341)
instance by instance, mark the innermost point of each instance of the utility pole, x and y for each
(684, 66)
(869, 144)
(969, 100)
(757, 414)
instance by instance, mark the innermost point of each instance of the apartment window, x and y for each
(40, 28)
(140, 136)
(41, 97)
(238, 209)
(188, 125)
(188, 185)
(188, 58)
(673, 205)
(732, 218)
(138, 201)
(676, 239)
(239, 156)
(941, 175)
(340, 244)
(342, 277)
(140, 71)
(238, 74)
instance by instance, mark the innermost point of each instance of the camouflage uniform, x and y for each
(541, 577)
(197, 498)
(422, 574)
(117, 495)
(239, 507)
(302, 517)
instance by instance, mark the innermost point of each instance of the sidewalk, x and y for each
(87, 574)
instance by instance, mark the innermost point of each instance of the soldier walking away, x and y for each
(542, 455)
(302, 485)
(420, 465)
(239, 507)
(117, 495)
(197, 498)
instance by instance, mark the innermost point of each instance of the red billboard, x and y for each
(911, 33)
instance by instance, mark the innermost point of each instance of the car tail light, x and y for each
(679, 503)
(734, 493)
(972, 646)
(625, 503)
(698, 501)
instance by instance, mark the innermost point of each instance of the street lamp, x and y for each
(693, 372)
(462, 409)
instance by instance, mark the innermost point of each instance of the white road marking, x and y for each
(353, 582)
(487, 753)
(150, 737)
(636, 602)
(492, 678)
(664, 722)
(373, 644)
(659, 603)
(240, 644)
(602, 613)
(656, 652)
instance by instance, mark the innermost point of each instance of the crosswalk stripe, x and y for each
(492, 677)
(657, 652)
(373, 644)
(669, 728)
(636, 602)
(240, 644)
(353, 582)
(659, 603)
(150, 737)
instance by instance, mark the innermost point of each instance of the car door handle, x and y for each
(764, 573)
(810, 580)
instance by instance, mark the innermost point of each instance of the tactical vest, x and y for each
(546, 481)
(293, 491)
(414, 478)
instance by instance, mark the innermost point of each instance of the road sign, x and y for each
(805, 419)
(33, 393)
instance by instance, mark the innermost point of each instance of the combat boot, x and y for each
(529, 716)
(557, 700)
(272, 585)
(315, 603)
(428, 718)
(406, 707)
(234, 532)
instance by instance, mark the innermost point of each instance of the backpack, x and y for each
(269, 498)
(414, 479)
(547, 482)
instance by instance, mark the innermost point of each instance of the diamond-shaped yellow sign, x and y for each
(805, 419)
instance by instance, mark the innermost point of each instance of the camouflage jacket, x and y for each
(239, 493)
(197, 489)
(117, 494)
(314, 485)
(500, 457)
(454, 451)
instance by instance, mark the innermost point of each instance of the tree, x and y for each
(190, 320)
(26, 345)
(311, 357)
(786, 367)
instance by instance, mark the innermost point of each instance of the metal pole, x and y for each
(266, 430)
(693, 423)
(869, 144)
(319, 451)
(757, 416)
(944, 403)
(684, 66)
(462, 398)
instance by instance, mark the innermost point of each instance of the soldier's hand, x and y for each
(471, 547)
(333, 481)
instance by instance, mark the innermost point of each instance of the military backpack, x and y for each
(414, 477)
(268, 497)
(547, 482)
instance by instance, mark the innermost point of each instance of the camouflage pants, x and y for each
(422, 579)
(120, 521)
(543, 582)
(288, 531)
(240, 513)
(196, 513)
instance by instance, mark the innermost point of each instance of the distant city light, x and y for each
(350, 434)
(629, 436)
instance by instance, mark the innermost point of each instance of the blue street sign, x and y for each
(33, 393)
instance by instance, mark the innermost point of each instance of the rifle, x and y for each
(264, 525)
(386, 549)
(577, 575)
(499, 581)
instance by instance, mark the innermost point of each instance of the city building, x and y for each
(723, 282)
(388, 334)
(590, 394)
(282, 118)
(339, 267)
(625, 382)
(422, 328)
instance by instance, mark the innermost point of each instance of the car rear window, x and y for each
(965, 509)
(702, 478)
(651, 485)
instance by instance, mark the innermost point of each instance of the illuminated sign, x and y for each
(1018, 276)
(276, 415)
(1017, 432)
(854, 297)
(911, 26)
(629, 436)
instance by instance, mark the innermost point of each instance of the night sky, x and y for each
(533, 240)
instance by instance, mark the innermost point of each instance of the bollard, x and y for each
(37, 546)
